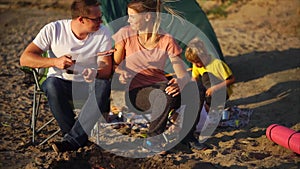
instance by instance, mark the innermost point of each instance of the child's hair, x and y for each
(195, 50)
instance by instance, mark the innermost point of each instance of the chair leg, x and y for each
(37, 96)
(52, 135)
(34, 113)
(165, 137)
(50, 121)
(97, 130)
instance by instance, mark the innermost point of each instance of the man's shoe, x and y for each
(63, 146)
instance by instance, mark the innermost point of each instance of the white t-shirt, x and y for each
(59, 39)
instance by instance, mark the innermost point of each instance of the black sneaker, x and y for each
(63, 146)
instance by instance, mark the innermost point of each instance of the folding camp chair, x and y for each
(39, 76)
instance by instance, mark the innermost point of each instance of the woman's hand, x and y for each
(106, 53)
(89, 74)
(124, 77)
(173, 87)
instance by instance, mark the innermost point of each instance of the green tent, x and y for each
(193, 13)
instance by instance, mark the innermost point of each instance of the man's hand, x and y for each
(63, 62)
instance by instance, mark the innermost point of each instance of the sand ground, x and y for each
(261, 43)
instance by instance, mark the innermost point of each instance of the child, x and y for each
(213, 73)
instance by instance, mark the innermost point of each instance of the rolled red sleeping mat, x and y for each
(284, 136)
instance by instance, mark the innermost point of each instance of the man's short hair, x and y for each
(81, 7)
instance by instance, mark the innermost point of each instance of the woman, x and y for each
(142, 49)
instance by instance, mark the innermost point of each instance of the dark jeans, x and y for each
(63, 95)
(153, 99)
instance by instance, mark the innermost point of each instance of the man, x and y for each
(75, 70)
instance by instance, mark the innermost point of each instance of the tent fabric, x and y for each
(113, 9)
(191, 12)
(194, 14)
